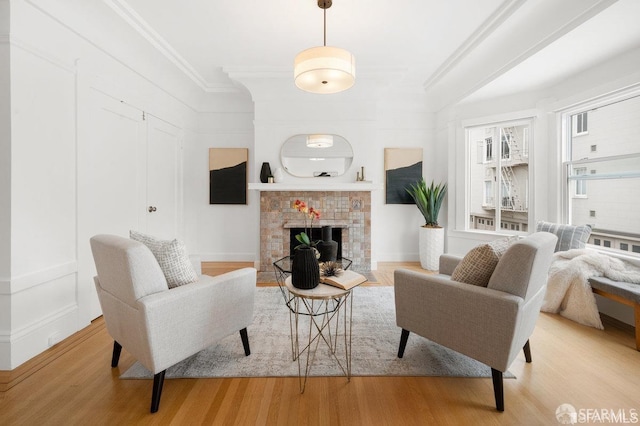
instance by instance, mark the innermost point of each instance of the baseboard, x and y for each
(616, 323)
(10, 378)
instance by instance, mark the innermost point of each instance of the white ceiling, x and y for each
(450, 49)
(610, 33)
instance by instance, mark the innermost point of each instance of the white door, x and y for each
(111, 181)
(163, 197)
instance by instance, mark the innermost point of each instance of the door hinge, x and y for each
(143, 116)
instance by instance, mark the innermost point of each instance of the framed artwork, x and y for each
(228, 175)
(402, 167)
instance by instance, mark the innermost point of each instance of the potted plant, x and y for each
(305, 270)
(429, 199)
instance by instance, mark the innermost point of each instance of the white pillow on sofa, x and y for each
(172, 257)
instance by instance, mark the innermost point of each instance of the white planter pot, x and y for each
(431, 244)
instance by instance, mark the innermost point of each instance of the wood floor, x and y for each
(588, 368)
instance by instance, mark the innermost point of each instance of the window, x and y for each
(488, 152)
(581, 184)
(607, 159)
(579, 123)
(498, 181)
(506, 145)
(488, 193)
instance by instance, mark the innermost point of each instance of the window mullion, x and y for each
(498, 190)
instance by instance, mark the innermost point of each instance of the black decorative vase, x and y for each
(305, 270)
(265, 172)
(327, 247)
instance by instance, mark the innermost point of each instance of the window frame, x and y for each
(518, 119)
(566, 183)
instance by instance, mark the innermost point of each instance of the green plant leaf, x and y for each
(428, 199)
(303, 238)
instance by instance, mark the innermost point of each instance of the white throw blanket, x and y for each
(568, 291)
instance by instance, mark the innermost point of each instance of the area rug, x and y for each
(375, 339)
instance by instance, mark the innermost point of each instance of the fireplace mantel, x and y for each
(323, 186)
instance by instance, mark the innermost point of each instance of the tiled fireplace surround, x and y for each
(349, 210)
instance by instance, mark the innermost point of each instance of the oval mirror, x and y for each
(316, 155)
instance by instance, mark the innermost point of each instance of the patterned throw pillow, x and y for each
(569, 237)
(172, 257)
(477, 266)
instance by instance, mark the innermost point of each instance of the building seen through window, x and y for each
(605, 140)
(499, 176)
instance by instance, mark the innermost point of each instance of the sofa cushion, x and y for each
(478, 265)
(172, 257)
(569, 236)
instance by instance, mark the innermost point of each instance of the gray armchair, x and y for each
(488, 324)
(160, 326)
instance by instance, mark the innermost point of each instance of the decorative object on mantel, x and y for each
(265, 172)
(360, 175)
(327, 247)
(431, 239)
(402, 167)
(228, 175)
(324, 69)
(305, 269)
(278, 175)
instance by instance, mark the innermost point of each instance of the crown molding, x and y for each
(131, 17)
(482, 33)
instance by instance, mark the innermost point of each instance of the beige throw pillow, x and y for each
(477, 266)
(172, 257)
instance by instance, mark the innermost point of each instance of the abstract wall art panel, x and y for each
(228, 175)
(402, 167)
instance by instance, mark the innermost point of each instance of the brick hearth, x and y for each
(349, 210)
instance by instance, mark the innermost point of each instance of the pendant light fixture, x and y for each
(324, 69)
(319, 141)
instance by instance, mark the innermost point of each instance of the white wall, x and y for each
(5, 182)
(402, 123)
(371, 119)
(46, 288)
(219, 232)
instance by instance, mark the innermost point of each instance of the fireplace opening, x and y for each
(316, 234)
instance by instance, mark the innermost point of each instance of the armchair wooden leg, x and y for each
(245, 341)
(498, 390)
(116, 354)
(527, 352)
(403, 342)
(158, 381)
